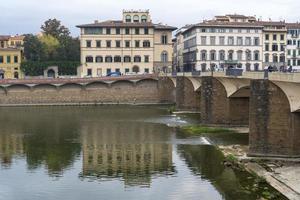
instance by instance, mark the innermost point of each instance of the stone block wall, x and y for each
(167, 90)
(186, 97)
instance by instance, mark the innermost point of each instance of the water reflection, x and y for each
(126, 150)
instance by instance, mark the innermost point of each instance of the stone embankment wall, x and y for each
(145, 91)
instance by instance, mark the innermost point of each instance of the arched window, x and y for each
(99, 59)
(282, 58)
(230, 55)
(144, 18)
(240, 55)
(136, 18)
(89, 59)
(212, 55)
(221, 55)
(127, 59)
(164, 57)
(136, 69)
(275, 58)
(137, 59)
(146, 43)
(267, 56)
(248, 55)
(108, 59)
(256, 55)
(117, 59)
(128, 18)
(203, 55)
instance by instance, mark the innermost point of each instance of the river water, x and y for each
(113, 152)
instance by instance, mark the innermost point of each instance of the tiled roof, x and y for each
(293, 25)
(4, 37)
(229, 24)
(271, 23)
(117, 23)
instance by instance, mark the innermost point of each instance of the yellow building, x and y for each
(11, 51)
(131, 45)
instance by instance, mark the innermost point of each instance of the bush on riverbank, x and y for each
(198, 130)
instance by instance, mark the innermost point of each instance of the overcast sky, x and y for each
(26, 16)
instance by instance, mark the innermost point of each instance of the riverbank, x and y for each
(281, 174)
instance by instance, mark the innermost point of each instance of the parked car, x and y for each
(114, 74)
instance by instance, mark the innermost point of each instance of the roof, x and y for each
(4, 37)
(17, 37)
(118, 23)
(293, 25)
(271, 23)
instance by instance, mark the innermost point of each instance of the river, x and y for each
(113, 152)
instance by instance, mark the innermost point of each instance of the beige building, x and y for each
(11, 52)
(131, 45)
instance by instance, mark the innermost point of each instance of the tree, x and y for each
(50, 45)
(54, 28)
(33, 48)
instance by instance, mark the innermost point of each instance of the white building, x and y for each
(293, 44)
(226, 41)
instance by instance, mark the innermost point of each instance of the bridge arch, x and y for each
(233, 85)
(196, 82)
(70, 86)
(146, 81)
(96, 84)
(122, 82)
(45, 86)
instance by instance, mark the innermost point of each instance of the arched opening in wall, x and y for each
(248, 67)
(212, 67)
(239, 65)
(256, 66)
(135, 69)
(51, 73)
(16, 75)
(2, 74)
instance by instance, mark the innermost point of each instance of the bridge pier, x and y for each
(218, 108)
(187, 96)
(274, 129)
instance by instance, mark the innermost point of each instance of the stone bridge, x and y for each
(140, 89)
(270, 105)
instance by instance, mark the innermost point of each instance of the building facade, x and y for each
(293, 44)
(226, 41)
(11, 52)
(131, 45)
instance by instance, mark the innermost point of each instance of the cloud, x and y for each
(27, 16)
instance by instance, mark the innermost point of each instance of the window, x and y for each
(203, 55)
(289, 42)
(108, 31)
(256, 41)
(137, 59)
(128, 18)
(147, 70)
(222, 40)
(117, 59)
(89, 72)
(137, 31)
(108, 43)
(146, 59)
(146, 43)
(146, 31)
(144, 18)
(289, 52)
(164, 39)
(117, 70)
(108, 70)
(274, 37)
(16, 59)
(230, 41)
(118, 31)
(88, 43)
(99, 59)
(127, 44)
(275, 58)
(240, 55)
(267, 36)
(256, 55)
(212, 40)
(281, 37)
(240, 41)
(89, 59)
(222, 55)
(248, 55)
(203, 40)
(127, 59)
(274, 47)
(93, 31)
(118, 43)
(108, 59)
(127, 31)
(98, 43)
(239, 30)
(8, 59)
(282, 58)
(267, 58)
(1, 59)
(230, 55)
(203, 30)
(212, 55)
(282, 48)
(248, 41)
(164, 57)
(137, 43)
(136, 18)
(126, 70)
(267, 47)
